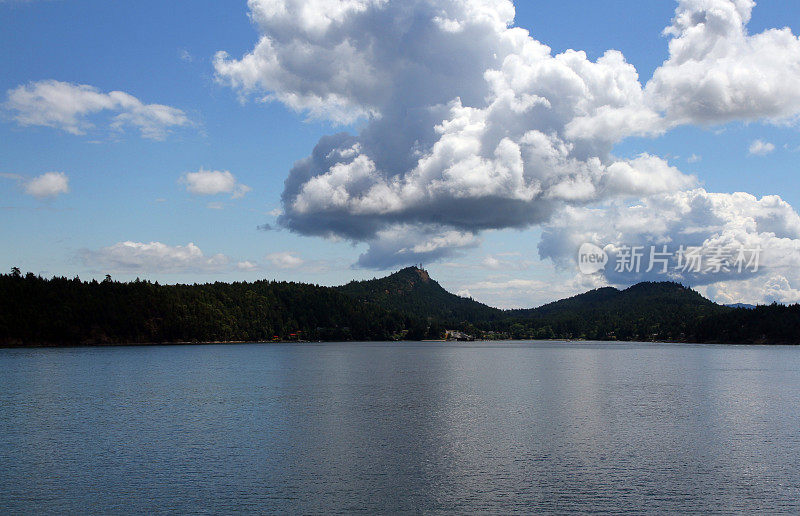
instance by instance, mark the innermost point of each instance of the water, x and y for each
(401, 427)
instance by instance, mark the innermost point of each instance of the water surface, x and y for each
(401, 427)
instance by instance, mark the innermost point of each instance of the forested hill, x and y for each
(406, 305)
(412, 292)
(646, 311)
(665, 294)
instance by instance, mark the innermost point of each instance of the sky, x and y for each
(330, 140)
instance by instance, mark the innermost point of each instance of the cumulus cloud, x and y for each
(68, 106)
(717, 72)
(49, 184)
(464, 293)
(713, 227)
(153, 257)
(407, 243)
(510, 292)
(471, 124)
(766, 289)
(247, 266)
(468, 126)
(285, 260)
(760, 148)
(213, 182)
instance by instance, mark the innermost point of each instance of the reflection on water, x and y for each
(499, 427)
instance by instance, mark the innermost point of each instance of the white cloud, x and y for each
(405, 243)
(694, 158)
(717, 72)
(510, 292)
(213, 182)
(50, 184)
(714, 222)
(760, 148)
(504, 263)
(491, 262)
(285, 260)
(475, 125)
(767, 289)
(240, 191)
(777, 289)
(154, 257)
(247, 266)
(68, 106)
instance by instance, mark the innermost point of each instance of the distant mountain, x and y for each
(742, 305)
(631, 298)
(413, 293)
(646, 311)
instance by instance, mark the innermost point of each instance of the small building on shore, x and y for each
(458, 335)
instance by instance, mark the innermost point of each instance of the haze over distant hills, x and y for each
(406, 305)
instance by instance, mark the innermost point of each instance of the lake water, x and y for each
(401, 427)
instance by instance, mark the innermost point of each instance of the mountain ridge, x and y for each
(645, 311)
(405, 305)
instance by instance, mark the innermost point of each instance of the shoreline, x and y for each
(239, 342)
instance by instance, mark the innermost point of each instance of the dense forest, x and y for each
(412, 292)
(647, 311)
(407, 305)
(58, 311)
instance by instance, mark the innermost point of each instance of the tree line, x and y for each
(407, 305)
(62, 311)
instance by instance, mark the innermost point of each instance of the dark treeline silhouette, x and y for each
(663, 311)
(774, 323)
(405, 305)
(58, 311)
(413, 293)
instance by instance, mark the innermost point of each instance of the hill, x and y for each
(413, 293)
(646, 311)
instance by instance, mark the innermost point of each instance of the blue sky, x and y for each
(124, 187)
